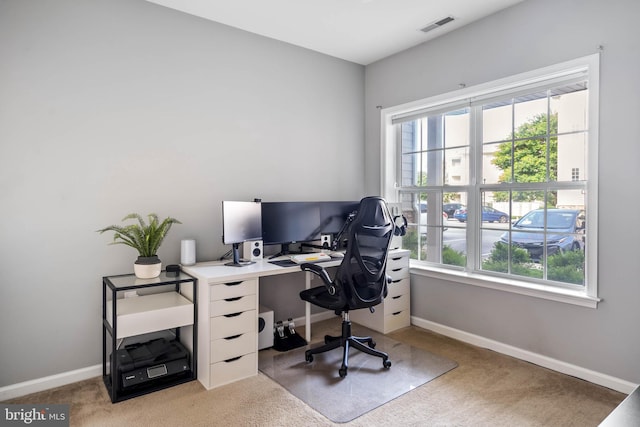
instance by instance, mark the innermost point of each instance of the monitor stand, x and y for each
(237, 262)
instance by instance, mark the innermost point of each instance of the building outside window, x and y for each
(510, 153)
(575, 174)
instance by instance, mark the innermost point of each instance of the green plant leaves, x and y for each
(145, 238)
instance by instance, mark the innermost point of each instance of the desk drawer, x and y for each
(397, 303)
(398, 273)
(233, 370)
(397, 320)
(234, 324)
(233, 289)
(399, 260)
(233, 305)
(399, 287)
(234, 346)
(384, 319)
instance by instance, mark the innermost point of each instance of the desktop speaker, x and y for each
(252, 251)
(187, 252)
(325, 241)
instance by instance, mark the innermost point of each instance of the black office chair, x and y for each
(360, 281)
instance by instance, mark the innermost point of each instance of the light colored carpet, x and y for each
(486, 389)
(367, 384)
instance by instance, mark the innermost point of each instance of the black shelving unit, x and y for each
(139, 315)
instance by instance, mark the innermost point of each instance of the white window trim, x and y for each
(388, 186)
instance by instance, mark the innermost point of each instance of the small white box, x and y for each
(265, 328)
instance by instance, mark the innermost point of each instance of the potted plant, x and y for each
(146, 239)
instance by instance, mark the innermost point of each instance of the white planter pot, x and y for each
(147, 267)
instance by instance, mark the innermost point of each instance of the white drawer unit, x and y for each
(228, 331)
(233, 331)
(394, 312)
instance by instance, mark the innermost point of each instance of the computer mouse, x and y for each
(336, 255)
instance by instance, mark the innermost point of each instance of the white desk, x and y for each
(226, 353)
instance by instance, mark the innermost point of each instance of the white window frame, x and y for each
(586, 66)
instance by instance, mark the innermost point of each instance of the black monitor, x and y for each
(284, 223)
(333, 215)
(241, 222)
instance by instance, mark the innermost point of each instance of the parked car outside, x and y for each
(489, 214)
(564, 228)
(450, 208)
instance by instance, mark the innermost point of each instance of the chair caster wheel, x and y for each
(308, 358)
(386, 364)
(342, 372)
(372, 344)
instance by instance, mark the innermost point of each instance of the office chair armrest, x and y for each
(319, 271)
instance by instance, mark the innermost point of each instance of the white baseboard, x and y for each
(316, 317)
(46, 383)
(538, 359)
(64, 378)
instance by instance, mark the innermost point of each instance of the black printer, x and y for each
(154, 360)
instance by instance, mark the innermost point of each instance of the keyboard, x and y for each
(283, 263)
(313, 257)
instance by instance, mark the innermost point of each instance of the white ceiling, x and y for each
(360, 31)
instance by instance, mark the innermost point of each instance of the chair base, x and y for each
(346, 341)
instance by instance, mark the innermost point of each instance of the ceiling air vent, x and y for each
(437, 24)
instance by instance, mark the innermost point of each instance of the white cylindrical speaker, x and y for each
(188, 252)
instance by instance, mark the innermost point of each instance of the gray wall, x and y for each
(115, 106)
(531, 35)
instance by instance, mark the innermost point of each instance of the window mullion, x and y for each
(474, 220)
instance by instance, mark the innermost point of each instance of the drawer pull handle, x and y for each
(399, 296)
(233, 337)
(396, 269)
(233, 314)
(397, 312)
(396, 281)
(233, 283)
(396, 259)
(233, 299)
(233, 359)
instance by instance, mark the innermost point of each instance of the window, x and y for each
(512, 156)
(575, 174)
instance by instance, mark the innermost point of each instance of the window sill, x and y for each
(552, 293)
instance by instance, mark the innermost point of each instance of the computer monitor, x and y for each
(334, 214)
(284, 223)
(241, 222)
